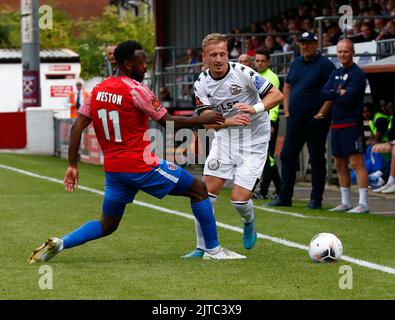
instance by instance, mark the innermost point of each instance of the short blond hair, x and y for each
(213, 38)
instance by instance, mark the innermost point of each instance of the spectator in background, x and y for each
(388, 32)
(334, 33)
(367, 34)
(111, 63)
(76, 99)
(378, 124)
(167, 100)
(249, 46)
(307, 75)
(246, 60)
(326, 40)
(192, 59)
(374, 162)
(191, 56)
(271, 45)
(378, 25)
(356, 29)
(164, 94)
(270, 172)
(235, 45)
(285, 47)
(346, 88)
(293, 28)
(308, 24)
(388, 147)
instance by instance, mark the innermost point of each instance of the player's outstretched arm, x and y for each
(190, 122)
(71, 175)
(240, 119)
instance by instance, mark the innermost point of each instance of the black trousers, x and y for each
(270, 173)
(314, 133)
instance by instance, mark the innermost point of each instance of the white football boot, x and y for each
(361, 208)
(223, 254)
(389, 189)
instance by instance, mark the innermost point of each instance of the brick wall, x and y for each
(75, 8)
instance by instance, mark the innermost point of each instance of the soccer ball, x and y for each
(325, 247)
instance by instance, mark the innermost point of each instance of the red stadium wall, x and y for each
(12, 130)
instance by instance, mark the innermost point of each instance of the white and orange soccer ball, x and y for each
(325, 247)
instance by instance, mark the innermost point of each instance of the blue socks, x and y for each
(203, 212)
(89, 231)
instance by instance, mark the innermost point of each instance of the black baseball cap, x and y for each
(307, 36)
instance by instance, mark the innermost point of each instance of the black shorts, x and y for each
(347, 141)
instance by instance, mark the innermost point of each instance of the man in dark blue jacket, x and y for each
(346, 88)
(307, 75)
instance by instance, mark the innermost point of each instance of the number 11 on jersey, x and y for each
(114, 117)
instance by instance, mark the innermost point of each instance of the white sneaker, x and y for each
(46, 251)
(389, 189)
(381, 189)
(361, 208)
(340, 208)
(223, 254)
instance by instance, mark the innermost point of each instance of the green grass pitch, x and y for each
(141, 260)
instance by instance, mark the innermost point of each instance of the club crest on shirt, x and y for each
(259, 81)
(235, 89)
(156, 104)
(171, 166)
(213, 164)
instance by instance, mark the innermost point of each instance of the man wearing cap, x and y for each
(307, 75)
(76, 99)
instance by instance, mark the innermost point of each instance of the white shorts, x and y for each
(244, 166)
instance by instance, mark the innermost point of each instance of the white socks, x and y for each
(391, 181)
(346, 199)
(245, 209)
(363, 196)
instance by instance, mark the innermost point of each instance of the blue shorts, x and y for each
(122, 187)
(347, 141)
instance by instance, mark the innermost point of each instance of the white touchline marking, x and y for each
(284, 242)
(288, 213)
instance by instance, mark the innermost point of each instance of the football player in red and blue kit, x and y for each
(119, 108)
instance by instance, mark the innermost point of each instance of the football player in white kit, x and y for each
(239, 148)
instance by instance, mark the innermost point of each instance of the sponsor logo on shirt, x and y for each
(259, 82)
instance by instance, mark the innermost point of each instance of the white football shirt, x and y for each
(239, 84)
